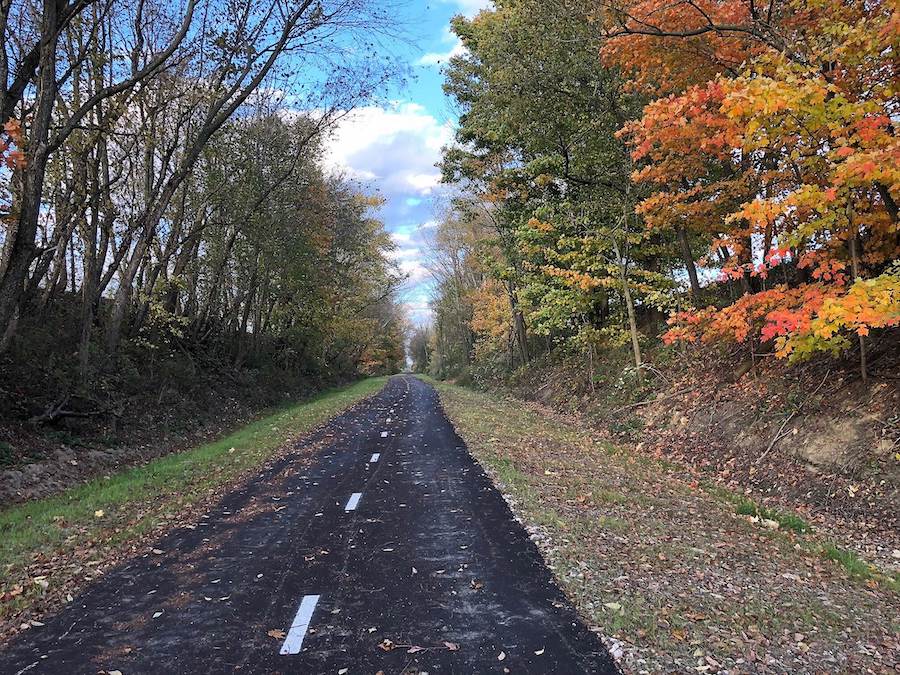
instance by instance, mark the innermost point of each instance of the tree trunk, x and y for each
(629, 306)
(854, 259)
(21, 242)
(688, 258)
(520, 330)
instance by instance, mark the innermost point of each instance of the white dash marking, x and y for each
(375, 458)
(294, 640)
(353, 501)
(384, 434)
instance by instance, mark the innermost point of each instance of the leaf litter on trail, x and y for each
(389, 645)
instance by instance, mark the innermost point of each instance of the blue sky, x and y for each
(394, 147)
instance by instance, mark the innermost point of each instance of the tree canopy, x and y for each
(730, 164)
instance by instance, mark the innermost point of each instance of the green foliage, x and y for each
(788, 521)
(538, 159)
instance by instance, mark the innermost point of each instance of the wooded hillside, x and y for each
(168, 229)
(681, 221)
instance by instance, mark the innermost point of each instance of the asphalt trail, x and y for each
(400, 535)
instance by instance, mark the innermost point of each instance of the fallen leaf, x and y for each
(343, 671)
(276, 633)
(415, 649)
(501, 656)
(452, 646)
(98, 513)
(156, 615)
(386, 645)
(539, 652)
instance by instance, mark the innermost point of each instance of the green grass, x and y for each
(786, 521)
(857, 568)
(136, 500)
(744, 506)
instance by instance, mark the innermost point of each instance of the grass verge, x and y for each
(83, 523)
(857, 568)
(663, 566)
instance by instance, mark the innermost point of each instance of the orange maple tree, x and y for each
(774, 138)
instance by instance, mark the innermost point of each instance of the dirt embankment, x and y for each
(814, 439)
(40, 459)
(662, 565)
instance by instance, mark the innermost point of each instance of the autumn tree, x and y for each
(793, 178)
(537, 141)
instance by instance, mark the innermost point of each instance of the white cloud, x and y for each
(424, 183)
(441, 58)
(414, 270)
(419, 311)
(397, 147)
(470, 8)
(411, 253)
(401, 238)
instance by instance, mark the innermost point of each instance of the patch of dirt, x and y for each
(665, 569)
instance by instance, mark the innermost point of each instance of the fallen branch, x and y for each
(56, 411)
(652, 400)
(779, 435)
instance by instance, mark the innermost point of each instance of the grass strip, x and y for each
(118, 509)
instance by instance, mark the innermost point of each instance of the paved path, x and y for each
(392, 533)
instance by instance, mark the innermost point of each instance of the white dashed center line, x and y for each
(294, 640)
(353, 501)
(375, 458)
